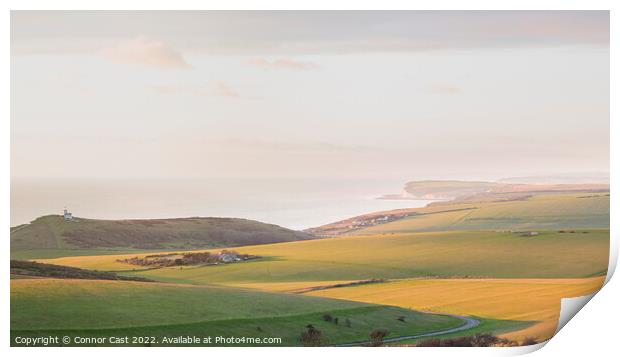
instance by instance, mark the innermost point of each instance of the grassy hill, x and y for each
(42, 307)
(548, 210)
(551, 211)
(51, 236)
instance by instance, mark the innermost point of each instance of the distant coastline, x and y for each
(292, 203)
(402, 197)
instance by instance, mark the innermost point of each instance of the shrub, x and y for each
(529, 341)
(347, 322)
(484, 340)
(377, 336)
(311, 337)
(328, 317)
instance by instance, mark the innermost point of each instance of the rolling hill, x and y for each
(484, 274)
(504, 258)
(51, 236)
(44, 307)
(540, 210)
(551, 211)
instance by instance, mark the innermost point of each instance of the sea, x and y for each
(291, 203)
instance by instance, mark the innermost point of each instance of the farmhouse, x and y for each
(228, 257)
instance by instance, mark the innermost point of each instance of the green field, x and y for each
(41, 307)
(288, 328)
(544, 212)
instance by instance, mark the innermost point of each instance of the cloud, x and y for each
(443, 88)
(219, 89)
(295, 146)
(224, 90)
(259, 33)
(283, 63)
(145, 52)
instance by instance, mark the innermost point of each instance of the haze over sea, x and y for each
(291, 203)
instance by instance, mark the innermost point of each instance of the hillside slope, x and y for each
(546, 210)
(554, 211)
(115, 308)
(53, 233)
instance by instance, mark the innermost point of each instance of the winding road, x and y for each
(468, 323)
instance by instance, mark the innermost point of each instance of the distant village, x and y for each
(359, 223)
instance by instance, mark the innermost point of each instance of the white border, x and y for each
(593, 330)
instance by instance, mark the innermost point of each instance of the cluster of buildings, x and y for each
(369, 222)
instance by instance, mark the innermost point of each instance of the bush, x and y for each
(311, 337)
(328, 318)
(347, 322)
(484, 340)
(377, 336)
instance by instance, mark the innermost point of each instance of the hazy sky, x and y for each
(309, 94)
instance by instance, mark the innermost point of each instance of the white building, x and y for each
(67, 215)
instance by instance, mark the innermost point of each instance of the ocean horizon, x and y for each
(291, 203)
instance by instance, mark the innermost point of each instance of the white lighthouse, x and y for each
(67, 215)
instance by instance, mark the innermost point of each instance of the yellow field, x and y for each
(508, 299)
(289, 287)
(394, 256)
(94, 262)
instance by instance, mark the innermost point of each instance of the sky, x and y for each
(347, 94)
